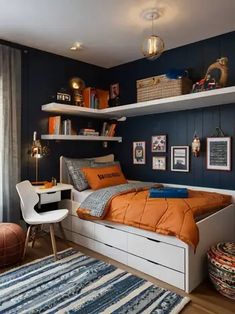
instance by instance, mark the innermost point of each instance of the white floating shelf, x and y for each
(184, 102)
(81, 138)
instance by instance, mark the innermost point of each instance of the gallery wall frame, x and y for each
(218, 153)
(180, 158)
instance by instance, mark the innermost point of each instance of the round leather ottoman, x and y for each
(221, 264)
(12, 238)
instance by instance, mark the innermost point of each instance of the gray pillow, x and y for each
(74, 168)
(95, 164)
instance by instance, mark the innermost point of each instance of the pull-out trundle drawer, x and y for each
(111, 252)
(109, 235)
(159, 252)
(168, 275)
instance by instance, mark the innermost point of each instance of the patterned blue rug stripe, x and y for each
(80, 284)
(35, 269)
(51, 287)
(103, 284)
(48, 277)
(107, 297)
(24, 269)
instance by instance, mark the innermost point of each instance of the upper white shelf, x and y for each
(184, 102)
(60, 137)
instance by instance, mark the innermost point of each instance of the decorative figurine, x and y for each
(62, 96)
(216, 76)
(77, 85)
(196, 145)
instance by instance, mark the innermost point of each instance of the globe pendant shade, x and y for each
(153, 47)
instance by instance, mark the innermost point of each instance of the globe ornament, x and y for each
(153, 46)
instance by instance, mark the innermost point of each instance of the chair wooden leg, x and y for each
(53, 240)
(62, 231)
(26, 241)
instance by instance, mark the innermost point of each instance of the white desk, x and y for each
(53, 194)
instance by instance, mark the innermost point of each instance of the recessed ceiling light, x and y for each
(76, 46)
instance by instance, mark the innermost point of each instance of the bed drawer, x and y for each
(157, 271)
(156, 251)
(83, 227)
(83, 241)
(111, 236)
(111, 252)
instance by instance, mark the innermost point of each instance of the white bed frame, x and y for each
(163, 257)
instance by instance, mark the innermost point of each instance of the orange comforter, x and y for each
(168, 216)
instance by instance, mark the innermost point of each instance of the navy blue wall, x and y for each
(179, 126)
(43, 74)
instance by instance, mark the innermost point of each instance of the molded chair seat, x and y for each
(52, 216)
(28, 199)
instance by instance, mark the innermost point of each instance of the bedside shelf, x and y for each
(81, 138)
(184, 102)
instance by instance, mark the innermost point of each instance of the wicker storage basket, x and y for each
(161, 87)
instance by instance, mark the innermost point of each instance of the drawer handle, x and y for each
(108, 245)
(109, 227)
(51, 192)
(153, 240)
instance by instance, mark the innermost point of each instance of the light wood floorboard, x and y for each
(204, 300)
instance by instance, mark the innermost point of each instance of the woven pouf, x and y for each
(221, 265)
(12, 238)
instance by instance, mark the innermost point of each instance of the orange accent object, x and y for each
(54, 125)
(87, 97)
(99, 178)
(175, 217)
(103, 97)
(48, 185)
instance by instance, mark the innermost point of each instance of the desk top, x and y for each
(56, 188)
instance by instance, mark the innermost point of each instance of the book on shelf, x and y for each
(95, 98)
(108, 129)
(54, 126)
(88, 132)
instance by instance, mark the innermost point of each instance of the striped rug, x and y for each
(81, 284)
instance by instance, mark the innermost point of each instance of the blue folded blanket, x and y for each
(168, 193)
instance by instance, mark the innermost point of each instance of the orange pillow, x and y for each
(103, 177)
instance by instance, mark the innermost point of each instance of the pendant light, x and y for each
(153, 46)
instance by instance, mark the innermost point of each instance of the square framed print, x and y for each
(159, 163)
(139, 153)
(158, 144)
(218, 153)
(180, 158)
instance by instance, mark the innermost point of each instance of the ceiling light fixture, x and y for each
(153, 46)
(76, 46)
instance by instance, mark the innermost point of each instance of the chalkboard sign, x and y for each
(219, 153)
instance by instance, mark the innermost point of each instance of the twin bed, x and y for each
(162, 256)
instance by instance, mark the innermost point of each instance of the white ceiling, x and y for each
(111, 31)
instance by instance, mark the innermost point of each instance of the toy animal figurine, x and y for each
(219, 71)
(216, 76)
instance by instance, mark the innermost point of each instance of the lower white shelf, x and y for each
(81, 138)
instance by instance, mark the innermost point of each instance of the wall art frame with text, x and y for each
(218, 153)
(159, 163)
(159, 143)
(139, 153)
(180, 158)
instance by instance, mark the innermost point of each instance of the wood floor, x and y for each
(204, 299)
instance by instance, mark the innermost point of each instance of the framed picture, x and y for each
(180, 158)
(158, 144)
(114, 91)
(139, 153)
(218, 153)
(159, 163)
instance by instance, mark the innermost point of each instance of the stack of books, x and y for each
(108, 129)
(95, 98)
(87, 132)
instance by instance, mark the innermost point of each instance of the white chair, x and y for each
(28, 199)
